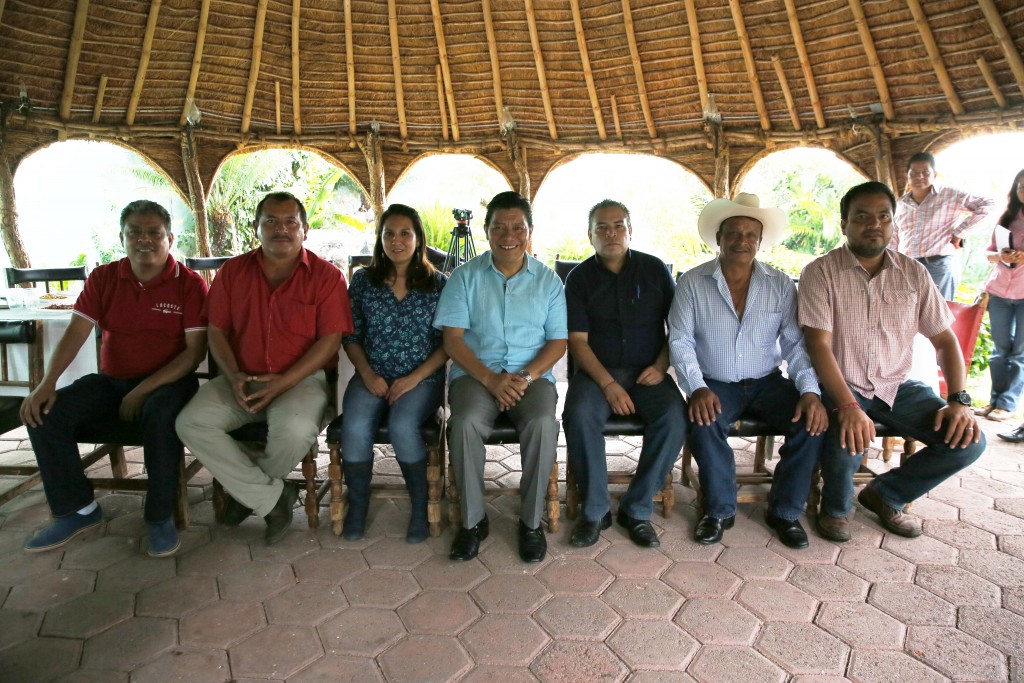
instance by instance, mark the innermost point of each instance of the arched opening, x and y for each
(70, 195)
(337, 208)
(807, 183)
(664, 200)
(436, 184)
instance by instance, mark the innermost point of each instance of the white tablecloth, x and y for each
(54, 324)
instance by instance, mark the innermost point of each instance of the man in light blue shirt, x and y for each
(503, 320)
(732, 323)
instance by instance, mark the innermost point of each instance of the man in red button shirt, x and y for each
(277, 315)
(150, 308)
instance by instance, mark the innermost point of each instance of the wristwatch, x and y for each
(527, 376)
(961, 397)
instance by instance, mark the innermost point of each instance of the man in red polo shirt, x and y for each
(150, 308)
(277, 315)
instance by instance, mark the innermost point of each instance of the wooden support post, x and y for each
(440, 101)
(296, 77)
(805, 62)
(492, 50)
(374, 156)
(698, 54)
(442, 49)
(197, 59)
(995, 22)
(993, 85)
(97, 109)
(2, 2)
(876, 66)
(74, 52)
(517, 155)
(638, 72)
(147, 50)
(921, 20)
(721, 151)
(786, 93)
(883, 158)
(615, 118)
(196, 194)
(396, 67)
(542, 76)
(254, 64)
(350, 68)
(9, 210)
(588, 73)
(748, 60)
(277, 106)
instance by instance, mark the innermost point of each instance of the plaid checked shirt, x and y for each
(926, 229)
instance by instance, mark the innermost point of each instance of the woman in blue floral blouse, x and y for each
(399, 365)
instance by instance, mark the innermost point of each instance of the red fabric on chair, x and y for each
(966, 326)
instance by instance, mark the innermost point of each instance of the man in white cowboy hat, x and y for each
(732, 323)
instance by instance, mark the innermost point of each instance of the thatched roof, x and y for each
(858, 76)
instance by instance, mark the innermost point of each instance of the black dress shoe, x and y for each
(280, 518)
(709, 530)
(467, 542)
(532, 543)
(1016, 436)
(640, 530)
(790, 532)
(586, 532)
(234, 512)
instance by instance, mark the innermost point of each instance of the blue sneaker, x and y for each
(163, 538)
(63, 530)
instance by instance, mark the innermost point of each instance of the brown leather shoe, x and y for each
(833, 528)
(892, 519)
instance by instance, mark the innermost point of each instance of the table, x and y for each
(54, 324)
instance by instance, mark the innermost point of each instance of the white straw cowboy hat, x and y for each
(773, 220)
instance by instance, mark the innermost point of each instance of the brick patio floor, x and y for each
(948, 605)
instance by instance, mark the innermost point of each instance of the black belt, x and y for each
(932, 259)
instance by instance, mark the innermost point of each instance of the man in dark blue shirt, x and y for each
(618, 301)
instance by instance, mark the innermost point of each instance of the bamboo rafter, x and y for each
(74, 52)
(442, 49)
(197, 59)
(296, 79)
(786, 93)
(254, 64)
(542, 76)
(440, 101)
(396, 67)
(805, 62)
(876, 67)
(995, 22)
(277, 107)
(588, 73)
(2, 3)
(492, 50)
(698, 54)
(748, 60)
(935, 56)
(147, 50)
(350, 68)
(615, 118)
(990, 80)
(101, 90)
(638, 71)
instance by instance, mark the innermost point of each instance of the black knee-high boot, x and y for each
(416, 483)
(357, 478)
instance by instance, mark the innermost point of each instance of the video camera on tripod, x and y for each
(460, 248)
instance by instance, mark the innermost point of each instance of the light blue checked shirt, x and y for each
(707, 338)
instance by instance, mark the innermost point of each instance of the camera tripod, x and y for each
(460, 248)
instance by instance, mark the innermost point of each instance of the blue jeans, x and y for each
(94, 398)
(772, 398)
(945, 273)
(912, 414)
(663, 412)
(1006, 363)
(363, 413)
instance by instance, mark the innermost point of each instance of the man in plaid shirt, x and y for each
(931, 221)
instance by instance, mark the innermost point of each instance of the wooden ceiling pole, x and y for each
(97, 109)
(721, 150)
(396, 67)
(74, 52)
(147, 50)
(440, 101)
(935, 56)
(517, 155)
(196, 194)
(296, 80)
(254, 64)
(780, 72)
(698, 54)
(197, 59)
(634, 53)
(615, 118)
(872, 54)
(9, 209)
(2, 3)
(371, 149)
(442, 49)
(588, 73)
(542, 76)
(883, 157)
(995, 22)
(277, 106)
(350, 68)
(748, 59)
(805, 62)
(993, 85)
(492, 49)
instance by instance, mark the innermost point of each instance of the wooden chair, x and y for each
(433, 428)
(30, 334)
(206, 266)
(59, 276)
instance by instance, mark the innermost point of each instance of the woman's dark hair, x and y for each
(1014, 205)
(421, 272)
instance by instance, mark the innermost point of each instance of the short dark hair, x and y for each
(508, 200)
(281, 197)
(149, 207)
(607, 204)
(871, 187)
(922, 156)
